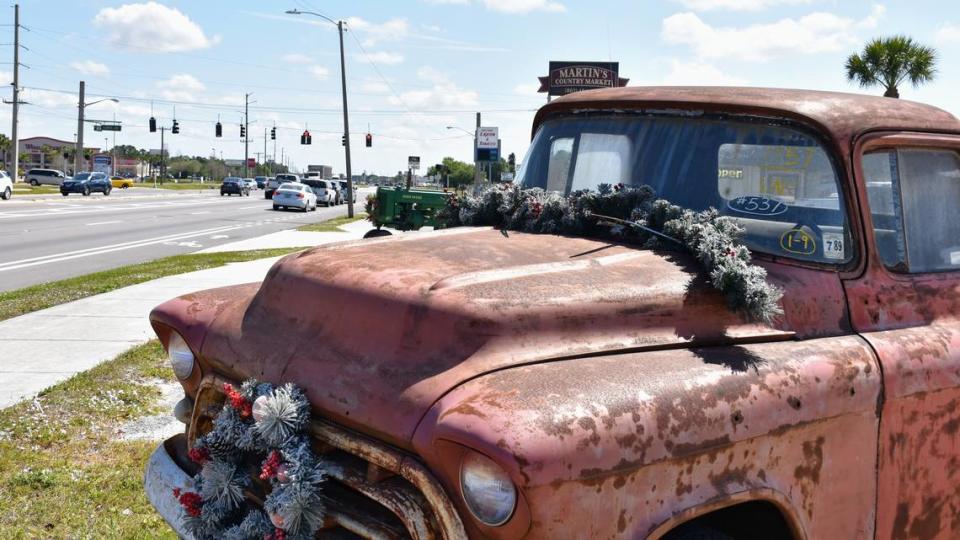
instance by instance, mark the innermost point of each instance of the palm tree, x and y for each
(890, 61)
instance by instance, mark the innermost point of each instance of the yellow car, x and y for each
(119, 182)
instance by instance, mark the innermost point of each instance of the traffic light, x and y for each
(369, 140)
(219, 130)
(273, 133)
(176, 127)
(153, 125)
(243, 131)
(343, 140)
(305, 138)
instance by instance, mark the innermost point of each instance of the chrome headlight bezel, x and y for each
(480, 474)
(181, 357)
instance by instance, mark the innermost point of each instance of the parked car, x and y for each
(344, 189)
(6, 186)
(261, 182)
(233, 185)
(294, 195)
(121, 182)
(51, 177)
(251, 183)
(326, 194)
(86, 183)
(555, 386)
(275, 182)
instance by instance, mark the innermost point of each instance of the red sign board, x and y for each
(251, 162)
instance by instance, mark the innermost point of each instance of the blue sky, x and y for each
(417, 66)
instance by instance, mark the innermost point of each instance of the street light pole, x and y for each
(78, 153)
(343, 87)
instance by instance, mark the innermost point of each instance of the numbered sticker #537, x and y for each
(833, 246)
(756, 205)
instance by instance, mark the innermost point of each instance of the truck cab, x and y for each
(470, 382)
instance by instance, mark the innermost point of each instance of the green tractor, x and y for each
(404, 209)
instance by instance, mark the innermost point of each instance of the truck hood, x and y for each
(378, 330)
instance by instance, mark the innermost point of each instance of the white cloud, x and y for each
(948, 33)
(89, 67)
(810, 34)
(699, 74)
(511, 6)
(181, 87)
(152, 27)
(526, 89)
(737, 5)
(47, 99)
(297, 58)
(383, 58)
(876, 13)
(319, 72)
(391, 30)
(443, 93)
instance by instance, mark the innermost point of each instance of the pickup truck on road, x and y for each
(476, 383)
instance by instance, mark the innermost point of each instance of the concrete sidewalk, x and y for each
(42, 348)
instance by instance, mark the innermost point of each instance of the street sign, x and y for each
(487, 137)
(108, 127)
(487, 154)
(251, 162)
(103, 163)
(413, 163)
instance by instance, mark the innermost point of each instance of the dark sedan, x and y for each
(86, 183)
(233, 185)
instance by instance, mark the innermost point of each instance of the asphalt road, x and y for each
(52, 237)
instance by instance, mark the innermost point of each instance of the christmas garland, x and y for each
(266, 425)
(714, 240)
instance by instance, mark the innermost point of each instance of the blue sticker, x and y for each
(757, 206)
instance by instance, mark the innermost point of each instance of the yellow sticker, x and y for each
(799, 242)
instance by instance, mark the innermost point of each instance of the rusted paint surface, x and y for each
(387, 340)
(841, 116)
(617, 444)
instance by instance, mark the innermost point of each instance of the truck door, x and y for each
(906, 304)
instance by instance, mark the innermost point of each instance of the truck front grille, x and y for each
(374, 491)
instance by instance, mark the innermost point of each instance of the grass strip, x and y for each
(332, 225)
(182, 187)
(37, 297)
(63, 471)
(27, 189)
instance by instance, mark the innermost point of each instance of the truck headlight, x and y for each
(181, 357)
(487, 489)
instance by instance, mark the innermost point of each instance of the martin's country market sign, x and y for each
(567, 77)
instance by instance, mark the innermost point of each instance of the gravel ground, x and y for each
(157, 427)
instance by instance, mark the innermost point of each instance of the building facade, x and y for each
(50, 153)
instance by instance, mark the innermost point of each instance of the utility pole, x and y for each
(476, 164)
(163, 164)
(246, 135)
(15, 141)
(78, 155)
(346, 123)
(264, 146)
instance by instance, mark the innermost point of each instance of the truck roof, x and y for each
(838, 114)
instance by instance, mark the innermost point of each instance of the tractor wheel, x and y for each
(376, 233)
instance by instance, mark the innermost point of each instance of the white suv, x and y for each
(6, 186)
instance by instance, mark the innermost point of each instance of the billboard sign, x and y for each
(103, 163)
(488, 137)
(568, 77)
(413, 163)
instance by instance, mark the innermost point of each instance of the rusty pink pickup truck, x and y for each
(473, 383)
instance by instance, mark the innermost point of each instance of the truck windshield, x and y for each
(779, 182)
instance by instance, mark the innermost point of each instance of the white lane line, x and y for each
(104, 223)
(23, 263)
(198, 213)
(252, 207)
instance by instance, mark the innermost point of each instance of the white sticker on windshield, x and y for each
(833, 245)
(955, 258)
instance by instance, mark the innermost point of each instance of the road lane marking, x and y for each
(199, 213)
(57, 257)
(104, 223)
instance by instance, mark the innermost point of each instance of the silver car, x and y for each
(294, 195)
(52, 177)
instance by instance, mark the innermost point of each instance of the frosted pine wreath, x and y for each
(713, 239)
(267, 425)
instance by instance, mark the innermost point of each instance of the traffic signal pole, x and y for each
(246, 136)
(346, 123)
(78, 155)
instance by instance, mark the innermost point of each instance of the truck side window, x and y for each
(913, 196)
(558, 170)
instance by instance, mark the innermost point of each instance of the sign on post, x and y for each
(103, 163)
(568, 77)
(488, 144)
(413, 163)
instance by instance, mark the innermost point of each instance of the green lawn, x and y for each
(63, 473)
(332, 225)
(37, 297)
(181, 187)
(27, 189)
